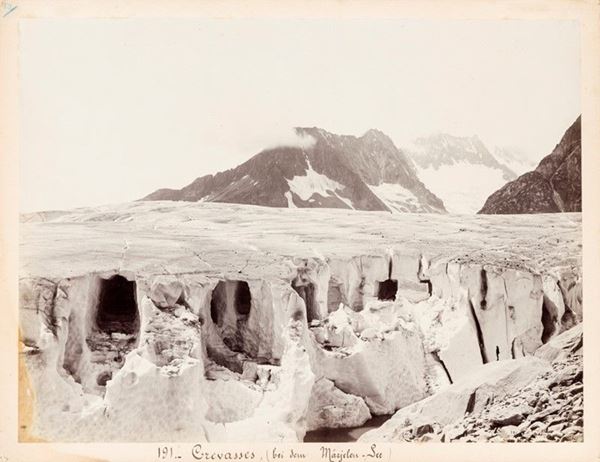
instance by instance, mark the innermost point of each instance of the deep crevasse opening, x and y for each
(327, 300)
(117, 309)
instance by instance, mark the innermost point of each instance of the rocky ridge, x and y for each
(554, 186)
(335, 171)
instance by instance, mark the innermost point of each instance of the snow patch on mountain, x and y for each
(344, 167)
(396, 198)
(459, 170)
(348, 202)
(290, 200)
(463, 186)
(515, 159)
(311, 183)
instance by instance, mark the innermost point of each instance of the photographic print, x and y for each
(360, 230)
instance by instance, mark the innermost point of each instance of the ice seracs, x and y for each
(229, 324)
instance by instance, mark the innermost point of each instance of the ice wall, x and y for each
(234, 357)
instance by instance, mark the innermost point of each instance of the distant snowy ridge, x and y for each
(514, 158)
(459, 170)
(463, 186)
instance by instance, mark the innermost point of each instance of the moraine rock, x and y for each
(471, 395)
(563, 345)
(511, 416)
(550, 408)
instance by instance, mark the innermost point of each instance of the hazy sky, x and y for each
(114, 109)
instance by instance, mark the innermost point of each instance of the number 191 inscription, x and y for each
(166, 452)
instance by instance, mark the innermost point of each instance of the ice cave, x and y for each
(117, 309)
(315, 341)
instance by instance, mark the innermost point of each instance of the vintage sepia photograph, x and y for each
(300, 230)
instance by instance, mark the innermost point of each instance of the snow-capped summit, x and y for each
(337, 171)
(459, 170)
(514, 158)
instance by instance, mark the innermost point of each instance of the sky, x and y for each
(113, 109)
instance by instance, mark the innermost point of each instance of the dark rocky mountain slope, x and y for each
(338, 171)
(554, 186)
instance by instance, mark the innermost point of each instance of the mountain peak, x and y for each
(338, 171)
(445, 149)
(459, 169)
(373, 132)
(314, 130)
(374, 136)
